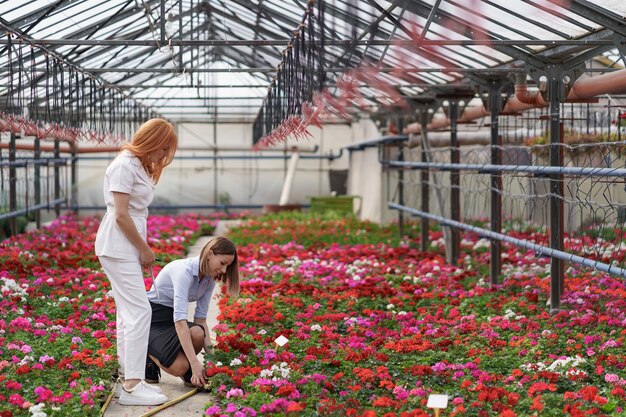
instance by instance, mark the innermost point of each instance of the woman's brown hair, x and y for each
(222, 246)
(153, 135)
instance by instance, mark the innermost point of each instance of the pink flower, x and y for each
(212, 410)
(13, 385)
(611, 378)
(235, 392)
(16, 399)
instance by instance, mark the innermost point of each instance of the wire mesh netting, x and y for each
(590, 181)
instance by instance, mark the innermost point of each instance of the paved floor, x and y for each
(172, 386)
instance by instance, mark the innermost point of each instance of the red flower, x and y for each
(295, 407)
(537, 404)
(619, 392)
(539, 387)
(383, 402)
(285, 390)
(588, 393)
(24, 369)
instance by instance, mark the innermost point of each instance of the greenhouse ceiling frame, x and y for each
(249, 38)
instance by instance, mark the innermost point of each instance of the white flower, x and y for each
(235, 362)
(482, 243)
(316, 328)
(36, 410)
(266, 373)
(390, 306)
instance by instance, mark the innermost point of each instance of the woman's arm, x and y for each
(197, 369)
(126, 225)
(208, 345)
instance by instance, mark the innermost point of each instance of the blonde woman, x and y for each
(174, 341)
(123, 251)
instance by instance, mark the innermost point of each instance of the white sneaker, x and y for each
(141, 395)
(120, 384)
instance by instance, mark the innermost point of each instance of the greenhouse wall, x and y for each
(242, 177)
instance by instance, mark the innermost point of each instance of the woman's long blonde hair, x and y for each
(222, 246)
(153, 135)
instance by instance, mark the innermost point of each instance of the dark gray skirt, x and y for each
(163, 343)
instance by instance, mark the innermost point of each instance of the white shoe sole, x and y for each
(129, 400)
(118, 389)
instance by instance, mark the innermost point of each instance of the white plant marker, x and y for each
(281, 340)
(437, 402)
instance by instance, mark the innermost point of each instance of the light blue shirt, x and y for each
(178, 284)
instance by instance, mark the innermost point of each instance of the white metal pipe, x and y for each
(291, 173)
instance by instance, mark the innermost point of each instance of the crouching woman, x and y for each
(175, 342)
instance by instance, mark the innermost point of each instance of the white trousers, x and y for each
(133, 314)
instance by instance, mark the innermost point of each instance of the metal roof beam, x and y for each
(36, 15)
(594, 39)
(212, 10)
(95, 29)
(290, 24)
(463, 28)
(161, 70)
(383, 34)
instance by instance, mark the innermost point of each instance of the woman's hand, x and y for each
(147, 256)
(198, 378)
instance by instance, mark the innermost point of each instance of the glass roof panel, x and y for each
(240, 20)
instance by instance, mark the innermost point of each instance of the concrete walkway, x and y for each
(173, 386)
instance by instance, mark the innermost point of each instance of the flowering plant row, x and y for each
(373, 329)
(57, 325)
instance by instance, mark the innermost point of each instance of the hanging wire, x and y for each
(62, 101)
(299, 75)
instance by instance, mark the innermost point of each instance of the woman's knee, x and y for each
(197, 337)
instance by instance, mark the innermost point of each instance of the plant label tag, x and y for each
(437, 401)
(281, 340)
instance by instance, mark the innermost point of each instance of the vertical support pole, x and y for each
(12, 185)
(555, 85)
(400, 180)
(181, 66)
(455, 191)
(215, 190)
(495, 102)
(424, 180)
(37, 190)
(73, 185)
(57, 177)
(162, 22)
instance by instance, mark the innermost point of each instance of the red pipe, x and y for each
(586, 88)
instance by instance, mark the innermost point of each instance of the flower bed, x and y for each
(373, 325)
(57, 325)
(373, 329)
